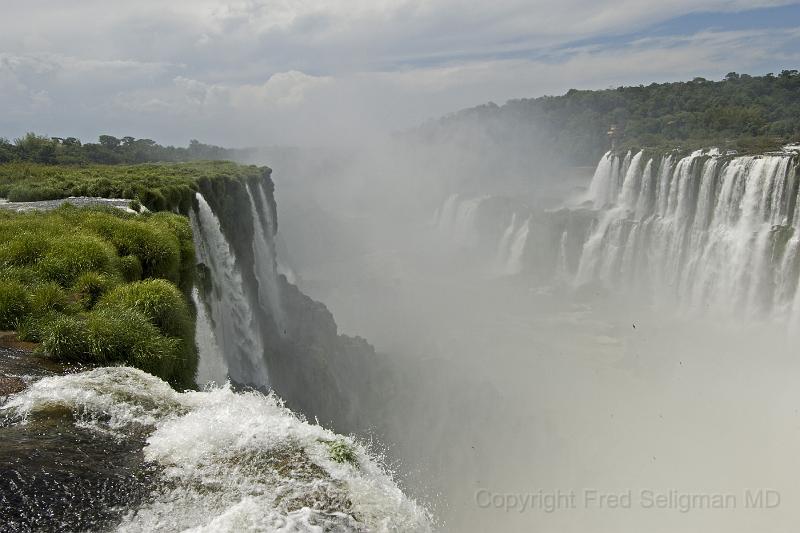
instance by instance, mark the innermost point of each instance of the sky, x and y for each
(311, 72)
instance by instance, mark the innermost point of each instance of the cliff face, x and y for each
(308, 363)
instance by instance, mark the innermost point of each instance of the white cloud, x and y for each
(186, 96)
(281, 89)
(282, 70)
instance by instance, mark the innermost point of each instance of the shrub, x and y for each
(166, 309)
(66, 338)
(179, 226)
(160, 356)
(135, 204)
(23, 248)
(154, 200)
(130, 267)
(127, 335)
(159, 300)
(14, 304)
(101, 187)
(48, 297)
(30, 193)
(25, 275)
(155, 246)
(90, 286)
(74, 254)
(33, 328)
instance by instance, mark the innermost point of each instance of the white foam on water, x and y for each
(229, 461)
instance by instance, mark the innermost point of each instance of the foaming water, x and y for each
(227, 461)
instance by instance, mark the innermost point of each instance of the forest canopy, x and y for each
(108, 150)
(740, 112)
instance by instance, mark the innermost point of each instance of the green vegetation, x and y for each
(14, 303)
(98, 285)
(159, 187)
(108, 150)
(741, 112)
(341, 452)
(101, 286)
(158, 300)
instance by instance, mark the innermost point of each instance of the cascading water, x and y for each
(235, 328)
(211, 367)
(265, 264)
(562, 269)
(456, 219)
(515, 254)
(503, 249)
(446, 215)
(708, 229)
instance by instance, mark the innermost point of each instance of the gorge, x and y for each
(251, 463)
(505, 347)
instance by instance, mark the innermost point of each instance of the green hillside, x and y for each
(740, 112)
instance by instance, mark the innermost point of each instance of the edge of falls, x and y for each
(706, 230)
(235, 328)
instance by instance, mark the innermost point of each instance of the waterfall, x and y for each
(515, 256)
(464, 223)
(631, 183)
(504, 247)
(600, 188)
(510, 251)
(264, 263)
(562, 268)
(456, 220)
(235, 328)
(211, 365)
(707, 229)
(446, 215)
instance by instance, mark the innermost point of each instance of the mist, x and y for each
(504, 382)
(584, 308)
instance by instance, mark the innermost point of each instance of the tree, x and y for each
(108, 141)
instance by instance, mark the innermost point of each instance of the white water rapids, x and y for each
(228, 461)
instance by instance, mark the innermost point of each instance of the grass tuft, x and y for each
(65, 338)
(14, 304)
(341, 452)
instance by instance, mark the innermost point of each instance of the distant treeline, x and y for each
(742, 112)
(108, 150)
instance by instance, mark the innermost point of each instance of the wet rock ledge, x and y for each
(20, 365)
